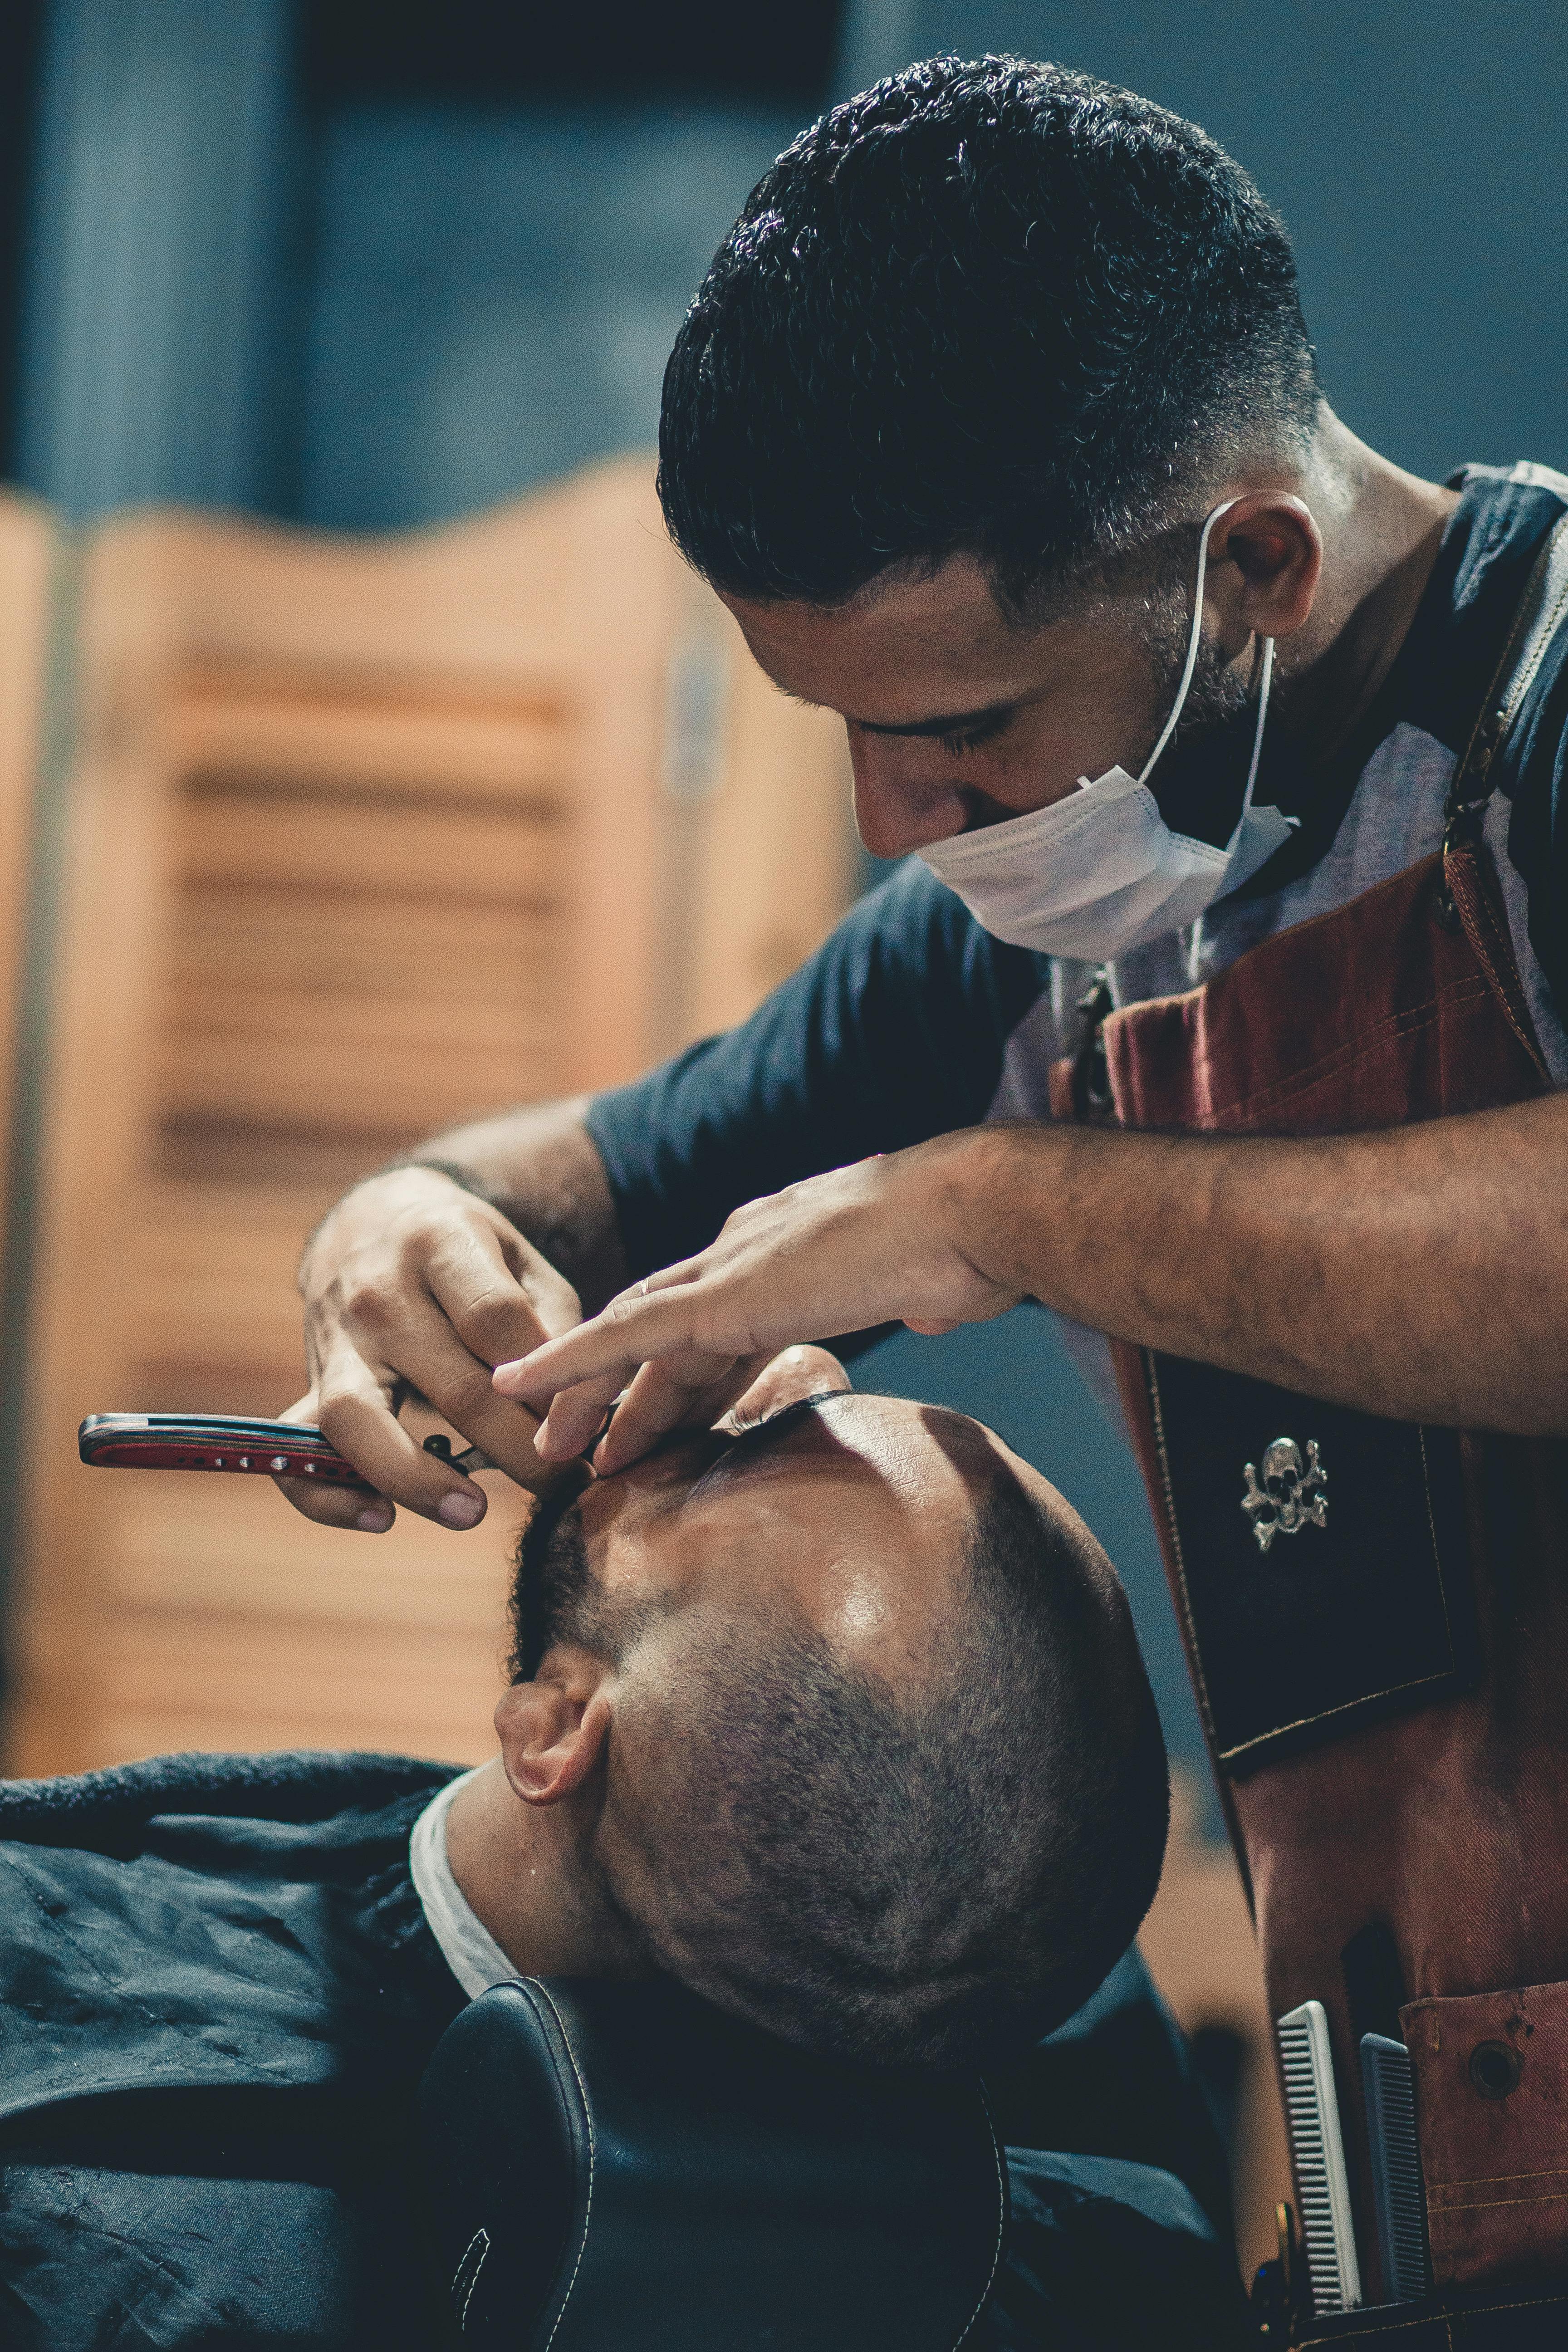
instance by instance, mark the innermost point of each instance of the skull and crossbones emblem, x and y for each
(1294, 1493)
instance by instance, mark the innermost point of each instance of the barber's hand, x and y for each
(413, 1284)
(888, 1240)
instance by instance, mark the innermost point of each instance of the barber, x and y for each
(1059, 503)
(1220, 1008)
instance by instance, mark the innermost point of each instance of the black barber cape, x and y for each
(217, 1994)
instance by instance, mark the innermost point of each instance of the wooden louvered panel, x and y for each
(298, 836)
(27, 555)
(315, 987)
(184, 1682)
(326, 957)
(770, 870)
(414, 1578)
(437, 738)
(212, 1315)
(362, 837)
(373, 1063)
(242, 1640)
(378, 1084)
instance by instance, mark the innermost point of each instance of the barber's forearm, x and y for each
(1421, 1273)
(541, 1169)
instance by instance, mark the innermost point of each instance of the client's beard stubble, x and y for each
(550, 1578)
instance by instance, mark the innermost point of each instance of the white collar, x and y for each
(468, 1948)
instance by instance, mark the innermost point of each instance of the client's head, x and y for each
(848, 1719)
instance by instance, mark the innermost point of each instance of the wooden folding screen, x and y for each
(362, 835)
(30, 559)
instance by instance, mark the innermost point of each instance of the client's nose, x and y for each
(794, 1373)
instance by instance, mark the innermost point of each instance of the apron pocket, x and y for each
(1491, 2117)
(1322, 1556)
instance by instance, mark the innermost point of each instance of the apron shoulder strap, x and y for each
(1470, 900)
(1537, 619)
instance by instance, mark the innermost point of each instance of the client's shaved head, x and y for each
(885, 1776)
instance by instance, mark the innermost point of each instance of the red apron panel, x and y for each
(1419, 1858)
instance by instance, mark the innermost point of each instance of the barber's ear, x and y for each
(553, 1731)
(1274, 541)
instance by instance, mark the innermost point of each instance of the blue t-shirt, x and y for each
(911, 1020)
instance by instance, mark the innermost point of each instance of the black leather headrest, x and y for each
(613, 2166)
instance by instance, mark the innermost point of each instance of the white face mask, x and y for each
(1100, 871)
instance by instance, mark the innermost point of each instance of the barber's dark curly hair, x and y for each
(997, 307)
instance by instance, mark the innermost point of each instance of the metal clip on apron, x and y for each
(1376, 1618)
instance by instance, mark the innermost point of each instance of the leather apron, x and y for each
(1376, 1613)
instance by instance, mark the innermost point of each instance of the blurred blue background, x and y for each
(371, 267)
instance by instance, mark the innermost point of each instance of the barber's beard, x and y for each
(1201, 773)
(1220, 690)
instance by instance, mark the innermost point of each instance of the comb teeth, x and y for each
(1395, 2167)
(1312, 2113)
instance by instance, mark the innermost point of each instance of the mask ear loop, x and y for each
(1263, 685)
(1193, 641)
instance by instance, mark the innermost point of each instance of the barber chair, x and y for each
(613, 2165)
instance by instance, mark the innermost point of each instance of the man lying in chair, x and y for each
(834, 1713)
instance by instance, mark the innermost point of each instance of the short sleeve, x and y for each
(1537, 778)
(894, 1030)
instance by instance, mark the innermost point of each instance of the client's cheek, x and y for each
(642, 1557)
(616, 1513)
(858, 1611)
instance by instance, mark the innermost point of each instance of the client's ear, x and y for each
(553, 1731)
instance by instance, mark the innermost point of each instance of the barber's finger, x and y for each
(426, 1335)
(636, 1328)
(357, 1419)
(499, 1294)
(677, 1392)
(433, 1360)
(577, 1416)
(555, 1303)
(330, 1506)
